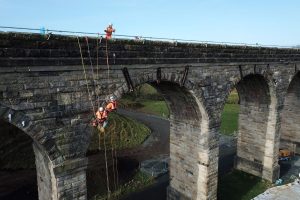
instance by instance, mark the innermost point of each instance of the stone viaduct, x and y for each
(43, 92)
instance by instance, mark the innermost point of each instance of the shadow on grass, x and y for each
(238, 185)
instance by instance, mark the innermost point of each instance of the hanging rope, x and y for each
(83, 66)
(90, 58)
(107, 179)
(107, 63)
(112, 147)
(113, 159)
(85, 76)
(98, 40)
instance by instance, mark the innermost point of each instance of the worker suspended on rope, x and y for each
(112, 105)
(109, 30)
(101, 118)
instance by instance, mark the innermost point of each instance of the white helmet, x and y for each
(101, 109)
(112, 98)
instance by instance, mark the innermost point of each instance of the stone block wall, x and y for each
(253, 118)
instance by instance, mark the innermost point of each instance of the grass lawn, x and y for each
(230, 117)
(159, 108)
(146, 99)
(121, 132)
(239, 185)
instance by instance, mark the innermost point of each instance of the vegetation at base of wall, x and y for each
(239, 185)
(139, 181)
(145, 99)
(233, 97)
(121, 132)
(230, 115)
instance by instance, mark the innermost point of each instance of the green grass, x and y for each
(121, 132)
(158, 108)
(230, 116)
(154, 107)
(145, 99)
(138, 182)
(238, 185)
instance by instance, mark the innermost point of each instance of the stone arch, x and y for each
(37, 132)
(151, 77)
(44, 149)
(290, 130)
(193, 168)
(257, 122)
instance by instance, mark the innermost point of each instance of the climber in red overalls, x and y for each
(109, 30)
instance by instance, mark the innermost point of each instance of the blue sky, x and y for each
(252, 21)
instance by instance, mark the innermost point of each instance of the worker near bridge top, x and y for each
(101, 118)
(112, 105)
(109, 30)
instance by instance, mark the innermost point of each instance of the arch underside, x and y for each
(188, 143)
(290, 125)
(253, 122)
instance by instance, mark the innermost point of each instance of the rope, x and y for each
(99, 141)
(85, 76)
(107, 179)
(93, 72)
(113, 159)
(89, 52)
(112, 148)
(97, 63)
(107, 63)
(115, 156)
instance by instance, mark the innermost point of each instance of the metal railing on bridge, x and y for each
(135, 37)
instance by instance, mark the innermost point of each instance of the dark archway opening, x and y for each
(289, 156)
(17, 164)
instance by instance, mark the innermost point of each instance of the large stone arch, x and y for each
(44, 149)
(258, 122)
(37, 132)
(193, 149)
(290, 129)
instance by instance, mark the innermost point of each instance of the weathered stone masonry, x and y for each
(42, 85)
